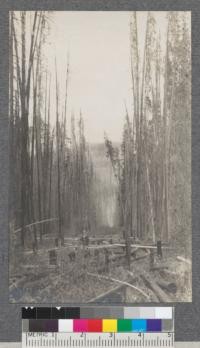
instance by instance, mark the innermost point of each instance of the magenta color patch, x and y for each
(80, 325)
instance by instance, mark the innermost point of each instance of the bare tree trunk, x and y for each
(166, 132)
(12, 129)
(60, 235)
(38, 154)
(24, 134)
(136, 119)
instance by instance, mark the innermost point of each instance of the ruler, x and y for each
(95, 340)
(97, 327)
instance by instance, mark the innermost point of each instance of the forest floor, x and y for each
(93, 275)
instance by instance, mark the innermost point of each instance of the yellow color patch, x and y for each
(109, 325)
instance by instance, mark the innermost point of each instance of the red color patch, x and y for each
(95, 325)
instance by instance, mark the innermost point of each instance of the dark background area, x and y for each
(187, 323)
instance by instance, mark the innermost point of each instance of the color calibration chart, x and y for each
(98, 326)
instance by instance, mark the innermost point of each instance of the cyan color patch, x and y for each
(139, 325)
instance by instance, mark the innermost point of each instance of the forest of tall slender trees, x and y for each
(51, 167)
(152, 166)
(116, 209)
(52, 172)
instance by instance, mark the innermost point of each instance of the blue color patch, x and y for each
(139, 325)
(154, 325)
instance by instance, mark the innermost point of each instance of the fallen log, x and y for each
(133, 252)
(169, 286)
(180, 258)
(154, 298)
(162, 296)
(102, 296)
(159, 268)
(28, 278)
(110, 246)
(35, 223)
(72, 238)
(168, 272)
(123, 256)
(120, 282)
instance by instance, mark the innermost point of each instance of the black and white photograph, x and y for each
(100, 157)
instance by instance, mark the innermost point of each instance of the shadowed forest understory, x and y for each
(100, 221)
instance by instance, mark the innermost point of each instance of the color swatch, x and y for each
(97, 319)
(97, 325)
(97, 312)
(109, 325)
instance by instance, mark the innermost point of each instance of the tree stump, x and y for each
(53, 257)
(151, 259)
(106, 260)
(159, 248)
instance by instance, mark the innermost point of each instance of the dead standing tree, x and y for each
(177, 110)
(150, 130)
(24, 62)
(55, 177)
(135, 124)
(58, 148)
(154, 140)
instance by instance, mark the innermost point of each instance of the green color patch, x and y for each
(124, 325)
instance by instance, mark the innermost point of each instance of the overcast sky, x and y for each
(98, 44)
